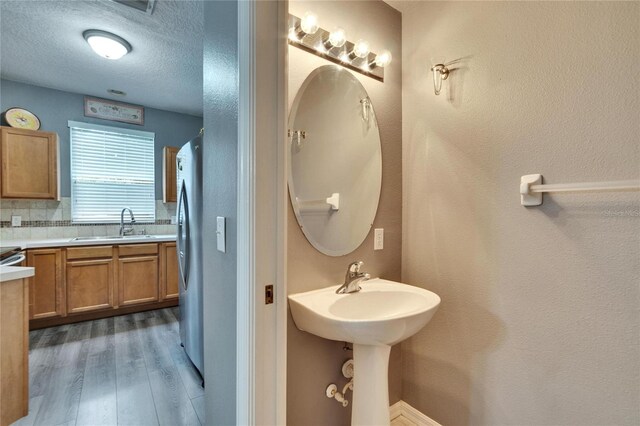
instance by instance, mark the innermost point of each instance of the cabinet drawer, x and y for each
(89, 252)
(138, 249)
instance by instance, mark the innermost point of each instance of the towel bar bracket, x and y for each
(528, 198)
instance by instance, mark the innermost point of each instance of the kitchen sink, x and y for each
(113, 237)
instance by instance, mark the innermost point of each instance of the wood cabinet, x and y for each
(86, 282)
(169, 272)
(14, 341)
(46, 287)
(30, 164)
(90, 279)
(169, 184)
(138, 274)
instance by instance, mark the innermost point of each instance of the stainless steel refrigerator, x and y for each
(189, 249)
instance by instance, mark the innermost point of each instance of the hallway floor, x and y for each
(127, 370)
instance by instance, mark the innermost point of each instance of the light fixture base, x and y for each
(317, 44)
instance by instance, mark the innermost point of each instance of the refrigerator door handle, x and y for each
(183, 240)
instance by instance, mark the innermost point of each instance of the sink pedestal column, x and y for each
(370, 385)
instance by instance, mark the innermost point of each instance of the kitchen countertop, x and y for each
(10, 273)
(88, 241)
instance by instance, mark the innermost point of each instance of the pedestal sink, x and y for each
(382, 314)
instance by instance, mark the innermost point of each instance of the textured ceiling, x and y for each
(41, 43)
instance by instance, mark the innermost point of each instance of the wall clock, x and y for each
(20, 118)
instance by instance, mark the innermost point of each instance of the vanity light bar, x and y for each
(354, 56)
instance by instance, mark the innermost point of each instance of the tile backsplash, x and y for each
(52, 219)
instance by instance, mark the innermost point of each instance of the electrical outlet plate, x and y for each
(378, 239)
(16, 220)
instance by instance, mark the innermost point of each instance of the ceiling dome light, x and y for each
(107, 45)
(309, 23)
(361, 49)
(383, 59)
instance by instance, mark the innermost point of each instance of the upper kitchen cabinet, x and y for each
(170, 191)
(30, 164)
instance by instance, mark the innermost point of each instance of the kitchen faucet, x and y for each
(125, 231)
(353, 278)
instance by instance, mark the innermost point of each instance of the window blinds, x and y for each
(111, 168)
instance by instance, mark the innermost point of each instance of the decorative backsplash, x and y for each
(52, 219)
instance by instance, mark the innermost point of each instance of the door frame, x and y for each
(261, 344)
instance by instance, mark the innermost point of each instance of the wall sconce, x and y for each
(366, 106)
(306, 34)
(440, 72)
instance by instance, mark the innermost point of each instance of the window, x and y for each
(111, 168)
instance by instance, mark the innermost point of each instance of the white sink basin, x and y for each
(382, 314)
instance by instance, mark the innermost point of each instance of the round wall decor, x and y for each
(20, 118)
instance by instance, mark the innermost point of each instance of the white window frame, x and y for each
(120, 131)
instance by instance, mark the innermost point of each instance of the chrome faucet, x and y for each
(123, 229)
(353, 278)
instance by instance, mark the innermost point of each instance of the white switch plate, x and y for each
(220, 233)
(378, 239)
(174, 220)
(16, 220)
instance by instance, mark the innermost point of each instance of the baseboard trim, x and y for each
(403, 409)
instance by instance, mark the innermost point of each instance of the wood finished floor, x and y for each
(127, 370)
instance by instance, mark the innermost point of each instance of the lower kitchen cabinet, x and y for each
(46, 287)
(86, 282)
(169, 288)
(138, 280)
(89, 285)
(89, 278)
(14, 341)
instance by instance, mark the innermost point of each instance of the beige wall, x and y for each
(313, 362)
(539, 322)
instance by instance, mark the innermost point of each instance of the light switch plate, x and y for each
(378, 239)
(174, 220)
(16, 220)
(220, 234)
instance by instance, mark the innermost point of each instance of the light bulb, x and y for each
(383, 59)
(361, 49)
(309, 23)
(338, 37)
(107, 45)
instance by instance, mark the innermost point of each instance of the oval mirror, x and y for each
(335, 160)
